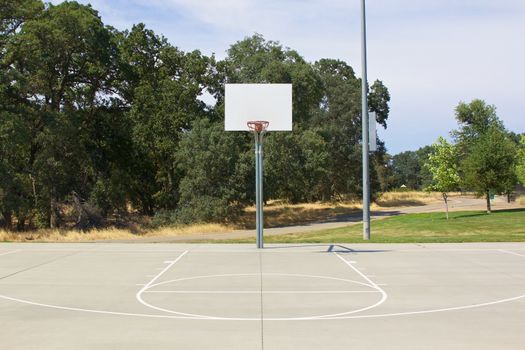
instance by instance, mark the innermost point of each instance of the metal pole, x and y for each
(261, 192)
(257, 191)
(364, 122)
(259, 220)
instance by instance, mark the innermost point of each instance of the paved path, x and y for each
(455, 204)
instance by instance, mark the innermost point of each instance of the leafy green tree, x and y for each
(378, 99)
(475, 119)
(425, 176)
(13, 14)
(59, 63)
(385, 173)
(520, 168)
(407, 167)
(338, 120)
(116, 119)
(255, 60)
(163, 86)
(490, 164)
(218, 174)
(486, 166)
(303, 157)
(443, 165)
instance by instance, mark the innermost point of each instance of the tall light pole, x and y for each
(364, 122)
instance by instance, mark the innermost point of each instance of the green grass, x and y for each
(468, 226)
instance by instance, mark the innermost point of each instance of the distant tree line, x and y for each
(97, 123)
(484, 157)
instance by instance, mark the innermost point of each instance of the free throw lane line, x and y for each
(384, 296)
(138, 296)
(259, 292)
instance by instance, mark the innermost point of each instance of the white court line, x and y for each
(105, 312)
(9, 252)
(384, 296)
(455, 308)
(513, 253)
(207, 317)
(142, 315)
(116, 313)
(259, 292)
(157, 276)
(138, 296)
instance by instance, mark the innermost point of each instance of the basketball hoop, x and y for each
(258, 126)
(245, 105)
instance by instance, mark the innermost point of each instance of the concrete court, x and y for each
(175, 296)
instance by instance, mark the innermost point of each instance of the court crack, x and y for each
(262, 305)
(38, 265)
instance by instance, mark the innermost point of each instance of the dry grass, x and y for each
(521, 200)
(50, 235)
(189, 230)
(276, 213)
(107, 234)
(409, 198)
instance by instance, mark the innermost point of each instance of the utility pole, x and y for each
(364, 122)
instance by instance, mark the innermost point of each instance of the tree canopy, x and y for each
(108, 122)
(520, 168)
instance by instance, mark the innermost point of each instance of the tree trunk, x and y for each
(33, 185)
(21, 223)
(53, 219)
(445, 198)
(488, 203)
(8, 220)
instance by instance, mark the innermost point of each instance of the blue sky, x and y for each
(430, 54)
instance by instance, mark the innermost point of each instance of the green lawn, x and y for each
(468, 226)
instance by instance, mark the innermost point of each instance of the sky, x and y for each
(430, 54)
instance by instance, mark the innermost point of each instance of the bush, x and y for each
(218, 174)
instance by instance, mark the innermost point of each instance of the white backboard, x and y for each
(252, 102)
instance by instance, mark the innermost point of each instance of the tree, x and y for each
(256, 60)
(443, 165)
(474, 119)
(13, 14)
(406, 169)
(60, 66)
(409, 168)
(490, 164)
(486, 150)
(295, 166)
(520, 168)
(424, 176)
(217, 169)
(338, 121)
(385, 173)
(91, 114)
(163, 86)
